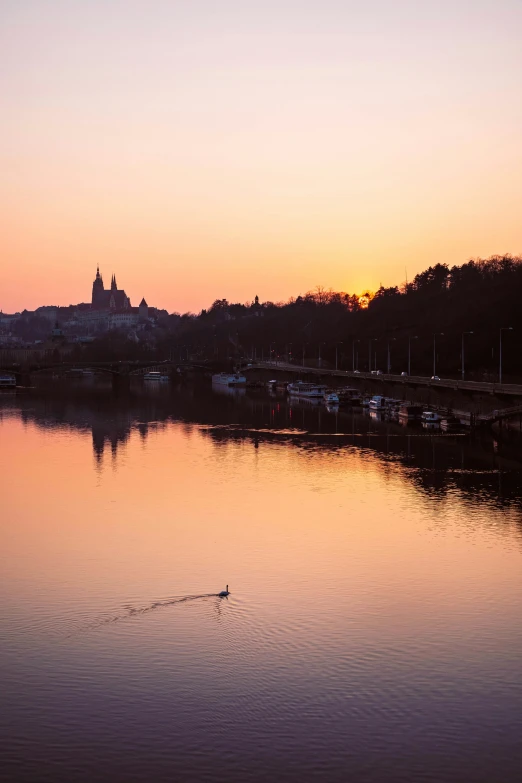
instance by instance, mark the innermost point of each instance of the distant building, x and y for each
(143, 310)
(111, 299)
(124, 319)
(47, 311)
(8, 319)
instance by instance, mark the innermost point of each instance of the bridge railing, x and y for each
(443, 383)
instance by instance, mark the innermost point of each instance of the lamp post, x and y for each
(336, 363)
(462, 353)
(319, 357)
(304, 353)
(271, 351)
(370, 341)
(288, 353)
(390, 339)
(410, 338)
(353, 353)
(503, 329)
(435, 335)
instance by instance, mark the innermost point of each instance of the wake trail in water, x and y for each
(136, 611)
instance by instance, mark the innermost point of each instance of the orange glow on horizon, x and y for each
(261, 153)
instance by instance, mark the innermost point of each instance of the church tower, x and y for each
(114, 287)
(97, 290)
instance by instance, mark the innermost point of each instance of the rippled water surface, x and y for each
(373, 630)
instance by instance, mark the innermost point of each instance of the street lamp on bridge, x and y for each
(462, 353)
(370, 341)
(435, 335)
(503, 329)
(388, 369)
(353, 354)
(320, 361)
(336, 345)
(410, 338)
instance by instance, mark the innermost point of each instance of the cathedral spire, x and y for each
(113, 283)
(97, 288)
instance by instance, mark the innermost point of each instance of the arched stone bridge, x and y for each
(117, 369)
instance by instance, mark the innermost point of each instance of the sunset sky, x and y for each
(203, 149)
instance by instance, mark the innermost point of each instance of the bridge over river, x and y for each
(120, 371)
(511, 389)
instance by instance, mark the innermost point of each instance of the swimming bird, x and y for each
(223, 593)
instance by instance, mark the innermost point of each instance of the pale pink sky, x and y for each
(204, 149)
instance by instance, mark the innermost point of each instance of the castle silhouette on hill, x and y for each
(112, 299)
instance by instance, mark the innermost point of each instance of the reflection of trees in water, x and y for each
(438, 466)
(460, 468)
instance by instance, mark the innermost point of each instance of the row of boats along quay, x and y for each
(406, 402)
(377, 406)
(444, 417)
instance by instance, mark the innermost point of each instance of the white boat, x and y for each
(430, 417)
(303, 389)
(378, 403)
(330, 397)
(154, 375)
(228, 379)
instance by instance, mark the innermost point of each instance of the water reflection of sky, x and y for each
(472, 464)
(372, 632)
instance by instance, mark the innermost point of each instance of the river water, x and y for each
(373, 628)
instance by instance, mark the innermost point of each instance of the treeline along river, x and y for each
(372, 631)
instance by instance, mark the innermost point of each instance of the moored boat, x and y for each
(377, 403)
(304, 389)
(331, 397)
(430, 417)
(228, 379)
